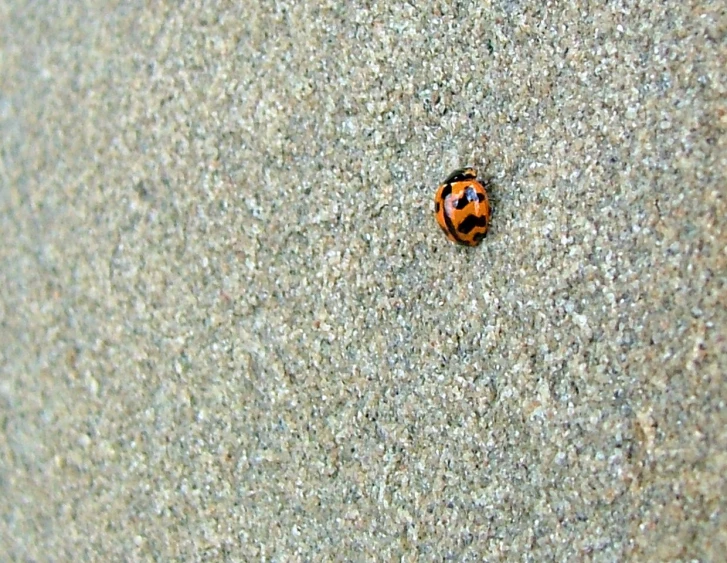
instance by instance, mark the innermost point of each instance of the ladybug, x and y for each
(462, 208)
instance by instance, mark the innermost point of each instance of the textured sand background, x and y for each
(232, 329)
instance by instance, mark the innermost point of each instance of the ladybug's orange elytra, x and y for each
(462, 208)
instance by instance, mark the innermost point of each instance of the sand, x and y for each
(230, 328)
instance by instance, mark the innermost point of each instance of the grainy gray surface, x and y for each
(232, 329)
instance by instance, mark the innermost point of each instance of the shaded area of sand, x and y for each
(229, 325)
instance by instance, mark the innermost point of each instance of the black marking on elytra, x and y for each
(450, 228)
(472, 222)
(470, 195)
(447, 192)
(436, 206)
(461, 203)
(460, 175)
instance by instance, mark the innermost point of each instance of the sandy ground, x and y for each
(231, 329)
